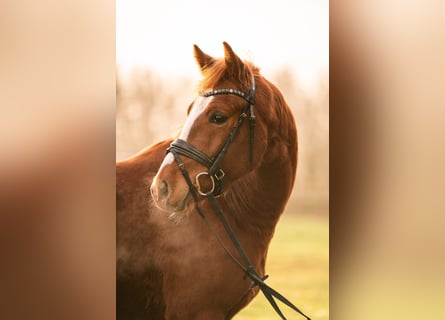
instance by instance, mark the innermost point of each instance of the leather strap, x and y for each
(182, 147)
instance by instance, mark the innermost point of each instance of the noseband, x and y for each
(217, 178)
(215, 174)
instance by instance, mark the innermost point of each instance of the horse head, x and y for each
(230, 94)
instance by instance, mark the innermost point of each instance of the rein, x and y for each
(216, 176)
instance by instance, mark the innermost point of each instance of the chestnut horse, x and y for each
(170, 265)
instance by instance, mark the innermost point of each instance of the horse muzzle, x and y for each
(168, 198)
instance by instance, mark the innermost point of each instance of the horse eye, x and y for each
(217, 118)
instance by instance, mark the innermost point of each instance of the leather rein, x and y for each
(217, 177)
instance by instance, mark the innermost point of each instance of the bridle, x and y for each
(215, 173)
(217, 177)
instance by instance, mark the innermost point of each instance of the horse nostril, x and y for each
(163, 189)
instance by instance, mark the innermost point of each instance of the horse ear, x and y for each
(234, 64)
(203, 59)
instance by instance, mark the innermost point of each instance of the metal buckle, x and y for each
(198, 185)
(219, 175)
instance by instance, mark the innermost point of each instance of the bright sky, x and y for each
(273, 34)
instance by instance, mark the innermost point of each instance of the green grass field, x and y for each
(298, 268)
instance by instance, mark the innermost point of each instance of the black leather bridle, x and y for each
(215, 173)
(217, 177)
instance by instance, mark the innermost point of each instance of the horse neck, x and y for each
(257, 200)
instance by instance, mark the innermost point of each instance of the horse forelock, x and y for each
(218, 71)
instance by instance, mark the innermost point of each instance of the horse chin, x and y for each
(185, 206)
(182, 208)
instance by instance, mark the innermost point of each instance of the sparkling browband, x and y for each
(227, 91)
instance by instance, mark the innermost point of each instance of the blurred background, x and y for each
(57, 163)
(387, 155)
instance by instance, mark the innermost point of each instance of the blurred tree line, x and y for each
(150, 108)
